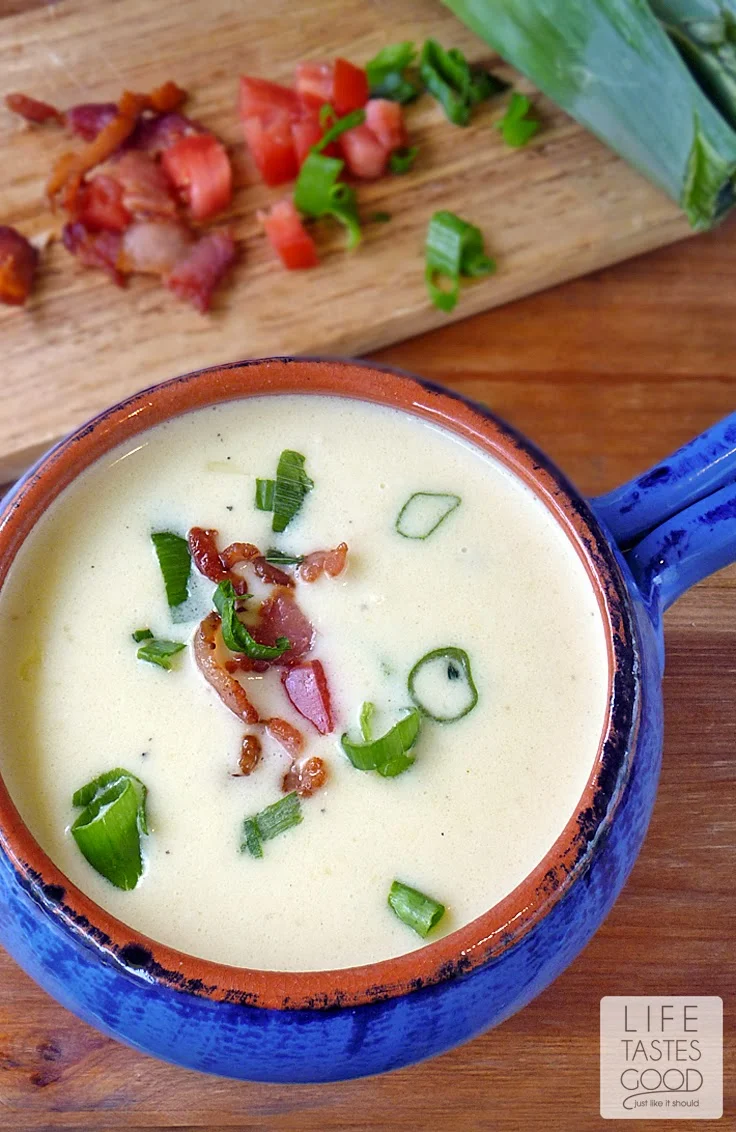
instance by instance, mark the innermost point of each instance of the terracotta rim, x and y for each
(496, 930)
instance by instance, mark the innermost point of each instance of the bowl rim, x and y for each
(483, 939)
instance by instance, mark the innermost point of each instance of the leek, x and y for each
(611, 65)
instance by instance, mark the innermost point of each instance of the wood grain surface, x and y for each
(561, 207)
(607, 374)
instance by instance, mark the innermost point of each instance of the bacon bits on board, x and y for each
(18, 261)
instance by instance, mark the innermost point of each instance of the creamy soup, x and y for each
(488, 792)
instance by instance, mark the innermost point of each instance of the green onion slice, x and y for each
(139, 635)
(269, 823)
(319, 193)
(391, 753)
(338, 127)
(413, 908)
(449, 78)
(441, 684)
(386, 77)
(264, 494)
(401, 160)
(423, 513)
(175, 561)
(159, 652)
(292, 485)
(453, 248)
(282, 558)
(108, 831)
(234, 633)
(366, 720)
(518, 126)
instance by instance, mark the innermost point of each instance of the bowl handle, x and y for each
(676, 523)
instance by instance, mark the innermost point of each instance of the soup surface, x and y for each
(487, 795)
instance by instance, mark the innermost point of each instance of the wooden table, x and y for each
(607, 374)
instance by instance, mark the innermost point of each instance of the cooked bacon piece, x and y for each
(282, 617)
(158, 133)
(196, 276)
(231, 693)
(330, 562)
(88, 118)
(154, 247)
(238, 552)
(99, 204)
(164, 98)
(147, 191)
(290, 738)
(32, 109)
(18, 261)
(242, 663)
(203, 549)
(306, 686)
(270, 573)
(95, 249)
(305, 776)
(250, 754)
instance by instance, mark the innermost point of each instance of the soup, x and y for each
(452, 602)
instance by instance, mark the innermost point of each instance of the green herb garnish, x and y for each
(141, 635)
(338, 127)
(401, 160)
(292, 485)
(423, 513)
(390, 754)
(318, 192)
(386, 73)
(108, 831)
(281, 558)
(441, 684)
(159, 652)
(518, 126)
(453, 248)
(175, 561)
(448, 77)
(234, 633)
(269, 823)
(264, 494)
(418, 911)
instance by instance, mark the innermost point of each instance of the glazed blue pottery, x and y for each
(642, 545)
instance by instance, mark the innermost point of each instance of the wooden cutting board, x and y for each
(561, 207)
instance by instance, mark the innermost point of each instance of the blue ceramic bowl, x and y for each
(642, 545)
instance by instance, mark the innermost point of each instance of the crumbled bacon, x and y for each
(18, 261)
(195, 278)
(209, 561)
(95, 249)
(231, 692)
(305, 776)
(32, 109)
(250, 754)
(153, 247)
(290, 738)
(238, 552)
(159, 132)
(242, 663)
(280, 616)
(88, 118)
(270, 573)
(147, 191)
(330, 562)
(307, 688)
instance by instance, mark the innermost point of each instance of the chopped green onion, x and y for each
(380, 217)
(108, 831)
(175, 561)
(319, 193)
(390, 754)
(424, 511)
(264, 494)
(338, 127)
(386, 77)
(518, 126)
(234, 633)
(401, 160)
(269, 823)
(292, 485)
(453, 248)
(141, 635)
(441, 685)
(281, 558)
(366, 720)
(413, 908)
(448, 77)
(159, 652)
(705, 36)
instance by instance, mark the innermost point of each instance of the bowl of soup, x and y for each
(330, 713)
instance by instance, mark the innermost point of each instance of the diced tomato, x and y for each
(272, 146)
(200, 169)
(259, 96)
(306, 687)
(315, 79)
(350, 87)
(306, 132)
(289, 238)
(363, 152)
(99, 205)
(386, 121)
